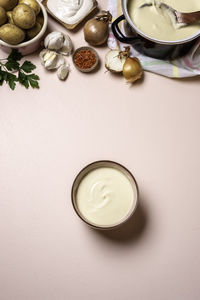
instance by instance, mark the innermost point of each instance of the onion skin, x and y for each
(132, 69)
(96, 32)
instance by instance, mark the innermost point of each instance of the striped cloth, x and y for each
(186, 66)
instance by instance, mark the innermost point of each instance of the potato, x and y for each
(31, 33)
(24, 16)
(11, 34)
(3, 16)
(33, 4)
(40, 19)
(10, 17)
(8, 4)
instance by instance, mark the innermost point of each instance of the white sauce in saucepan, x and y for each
(70, 11)
(159, 23)
(105, 196)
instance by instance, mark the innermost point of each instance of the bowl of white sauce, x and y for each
(104, 194)
(154, 30)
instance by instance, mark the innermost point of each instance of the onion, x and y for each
(115, 60)
(132, 69)
(96, 30)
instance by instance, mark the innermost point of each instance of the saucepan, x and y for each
(147, 45)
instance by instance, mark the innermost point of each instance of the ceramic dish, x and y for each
(104, 164)
(69, 26)
(89, 69)
(31, 45)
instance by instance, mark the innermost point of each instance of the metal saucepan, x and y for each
(147, 45)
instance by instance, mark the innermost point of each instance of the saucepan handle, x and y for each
(119, 35)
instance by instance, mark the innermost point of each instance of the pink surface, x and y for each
(47, 136)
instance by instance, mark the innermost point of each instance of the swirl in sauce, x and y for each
(105, 196)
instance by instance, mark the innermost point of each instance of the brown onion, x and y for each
(96, 30)
(115, 60)
(132, 69)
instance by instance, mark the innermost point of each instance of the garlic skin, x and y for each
(63, 72)
(51, 60)
(59, 42)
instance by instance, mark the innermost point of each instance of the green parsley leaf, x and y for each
(12, 65)
(12, 82)
(28, 67)
(34, 77)
(23, 79)
(34, 84)
(1, 78)
(11, 72)
(15, 55)
(26, 83)
(4, 75)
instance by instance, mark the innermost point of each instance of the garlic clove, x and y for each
(50, 63)
(54, 40)
(51, 60)
(63, 72)
(67, 46)
(41, 55)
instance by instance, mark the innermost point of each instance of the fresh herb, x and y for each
(12, 72)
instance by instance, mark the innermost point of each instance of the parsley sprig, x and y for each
(12, 72)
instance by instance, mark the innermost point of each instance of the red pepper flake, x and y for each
(85, 59)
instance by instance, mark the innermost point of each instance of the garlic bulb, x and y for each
(51, 60)
(54, 41)
(63, 72)
(67, 46)
(57, 41)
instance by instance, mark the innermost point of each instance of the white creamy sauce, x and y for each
(105, 196)
(70, 11)
(159, 23)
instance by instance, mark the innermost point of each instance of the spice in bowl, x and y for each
(85, 59)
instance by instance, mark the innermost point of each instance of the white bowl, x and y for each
(31, 45)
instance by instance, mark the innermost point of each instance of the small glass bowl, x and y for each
(89, 69)
(104, 164)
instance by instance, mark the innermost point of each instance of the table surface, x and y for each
(48, 135)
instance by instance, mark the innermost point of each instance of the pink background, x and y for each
(48, 135)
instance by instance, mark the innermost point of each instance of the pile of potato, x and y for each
(20, 20)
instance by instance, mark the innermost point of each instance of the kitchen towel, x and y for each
(186, 66)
